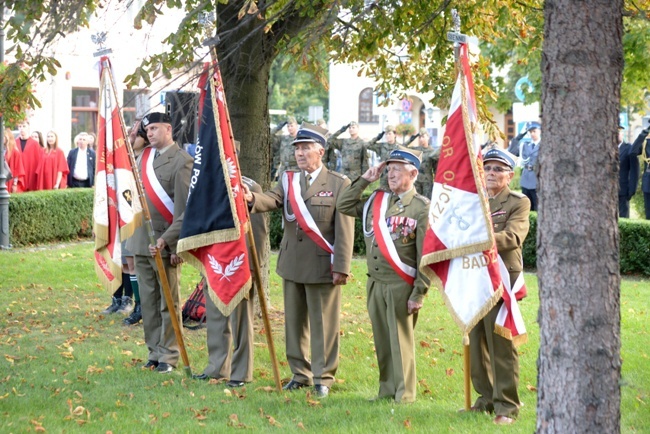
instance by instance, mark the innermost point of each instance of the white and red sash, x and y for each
(156, 193)
(510, 322)
(384, 241)
(291, 185)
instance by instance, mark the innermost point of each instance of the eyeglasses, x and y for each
(496, 169)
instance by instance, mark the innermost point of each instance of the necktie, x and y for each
(308, 180)
(156, 154)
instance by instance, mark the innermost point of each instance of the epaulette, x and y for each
(422, 198)
(517, 194)
(338, 175)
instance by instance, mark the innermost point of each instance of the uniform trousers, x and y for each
(158, 329)
(223, 331)
(531, 194)
(393, 332)
(312, 319)
(646, 205)
(623, 207)
(494, 368)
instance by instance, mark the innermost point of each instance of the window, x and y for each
(365, 107)
(129, 104)
(84, 110)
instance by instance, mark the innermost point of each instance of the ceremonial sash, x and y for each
(384, 241)
(510, 322)
(291, 184)
(155, 192)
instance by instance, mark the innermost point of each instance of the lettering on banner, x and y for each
(196, 169)
(479, 261)
(438, 207)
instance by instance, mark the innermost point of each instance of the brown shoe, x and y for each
(503, 420)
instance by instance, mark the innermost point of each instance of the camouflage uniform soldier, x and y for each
(283, 156)
(430, 157)
(353, 152)
(383, 150)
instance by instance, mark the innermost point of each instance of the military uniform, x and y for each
(383, 150)
(354, 156)
(496, 378)
(283, 154)
(172, 168)
(237, 328)
(528, 181)
(388, 294)
(424, 182)
(311, 302)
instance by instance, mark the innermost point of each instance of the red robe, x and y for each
(52, 163)
(32, 159)
(15, 163)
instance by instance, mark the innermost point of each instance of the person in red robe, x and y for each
(53, 171)
(14, 159)
(32, 155)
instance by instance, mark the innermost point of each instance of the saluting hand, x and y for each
(374, 173)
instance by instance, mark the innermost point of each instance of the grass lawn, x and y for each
(64, 367)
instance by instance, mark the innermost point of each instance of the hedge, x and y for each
(62, 215)
(49, 216)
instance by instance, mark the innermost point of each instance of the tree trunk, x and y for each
(577, 241)
(245, 60)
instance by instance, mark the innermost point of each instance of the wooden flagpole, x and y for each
(147, 218)
(458, 38)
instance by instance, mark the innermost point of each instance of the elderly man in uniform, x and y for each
(165, 170)
(493, 358)
(354, 157)
(282, 147)
(430, 157)
(314, 260)
(394, 222)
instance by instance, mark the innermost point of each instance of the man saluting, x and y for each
(394, 225)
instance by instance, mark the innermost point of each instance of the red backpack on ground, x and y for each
(194, 308)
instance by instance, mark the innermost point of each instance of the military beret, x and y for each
(423, 131)
(406, 156)
(310, 133)
(503, 156)
(156, 118)
(354, 123)
(390, 128)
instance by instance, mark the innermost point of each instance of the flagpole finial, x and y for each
(207, 20)
(99, 39)
(456, 20)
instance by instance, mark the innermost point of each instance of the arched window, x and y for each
(365, 107)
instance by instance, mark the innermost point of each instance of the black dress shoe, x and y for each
(235, 383)
(321, 391)
(201, 377)
(151, 364)
(164, 368)
(293, 385)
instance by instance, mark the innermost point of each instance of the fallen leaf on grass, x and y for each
(13, 389)
(449, 372)
(531, 388)
(166, 415)
(301, 426)
(407, 424)
(267, 389)
(273, 422)
(6, 395)
(313, 402)
(425, 344)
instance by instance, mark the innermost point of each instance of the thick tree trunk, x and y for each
(245, 59)
(577, 241)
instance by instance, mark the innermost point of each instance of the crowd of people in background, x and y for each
(37, 162)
